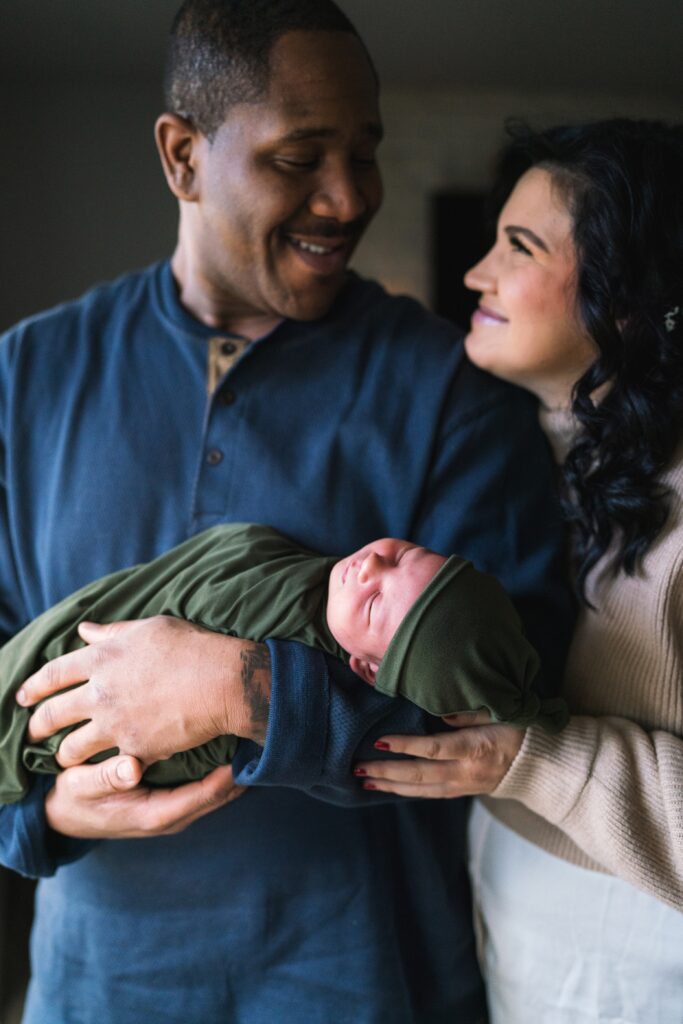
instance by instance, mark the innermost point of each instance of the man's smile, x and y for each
(324, 255)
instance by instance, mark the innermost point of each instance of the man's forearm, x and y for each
(256, 682)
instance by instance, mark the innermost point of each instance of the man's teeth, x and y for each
(319, 250)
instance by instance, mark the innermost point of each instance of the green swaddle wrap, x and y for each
(461, 646)
(239, 579)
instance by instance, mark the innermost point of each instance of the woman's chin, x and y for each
(486, 357)
(479, 353)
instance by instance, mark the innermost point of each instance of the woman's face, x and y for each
(526, 329)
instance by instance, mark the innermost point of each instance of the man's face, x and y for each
(289, 184)
(371, 591)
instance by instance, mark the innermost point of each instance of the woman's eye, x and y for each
(518, 245)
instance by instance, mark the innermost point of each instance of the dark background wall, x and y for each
(81, 196)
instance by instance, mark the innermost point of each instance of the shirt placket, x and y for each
(220, 434)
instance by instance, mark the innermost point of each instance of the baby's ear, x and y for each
(367, 670)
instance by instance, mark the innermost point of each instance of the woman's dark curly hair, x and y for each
(623, 184)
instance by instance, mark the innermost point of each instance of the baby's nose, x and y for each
(369, 568)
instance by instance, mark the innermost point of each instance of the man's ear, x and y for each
(367, 670)
(177, 141)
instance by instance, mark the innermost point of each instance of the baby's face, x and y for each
(371, 591)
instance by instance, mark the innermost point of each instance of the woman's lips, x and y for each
(484, 315)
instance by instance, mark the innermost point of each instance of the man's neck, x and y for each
(215, 310)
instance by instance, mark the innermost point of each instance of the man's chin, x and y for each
(313, 303)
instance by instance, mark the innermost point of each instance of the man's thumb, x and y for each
(121, 772)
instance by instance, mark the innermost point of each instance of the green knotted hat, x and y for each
(461, 647)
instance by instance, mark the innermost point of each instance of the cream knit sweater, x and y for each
(607, 792)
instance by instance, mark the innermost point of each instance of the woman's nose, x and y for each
(480, 277)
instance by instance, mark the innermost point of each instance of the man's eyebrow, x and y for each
(512, 229)
(372, 128)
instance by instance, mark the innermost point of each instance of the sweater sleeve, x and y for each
(615, 790)
(611, 783)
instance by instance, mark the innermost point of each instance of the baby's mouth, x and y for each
(347, 568)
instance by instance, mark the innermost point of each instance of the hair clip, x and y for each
(670, 318)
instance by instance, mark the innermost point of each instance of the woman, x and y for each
(577, 853)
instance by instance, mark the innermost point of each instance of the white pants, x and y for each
(562, 945)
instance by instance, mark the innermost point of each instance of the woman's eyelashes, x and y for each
(518, 245)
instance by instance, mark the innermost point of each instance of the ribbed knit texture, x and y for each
(607, 792)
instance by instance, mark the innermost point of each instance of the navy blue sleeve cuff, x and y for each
(296, 740)
(322, 719)
(27, 845)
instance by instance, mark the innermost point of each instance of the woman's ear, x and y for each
(177, 141)
(367, 670)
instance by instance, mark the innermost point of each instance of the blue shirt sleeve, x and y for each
(27, 845)
(25, 840)
(322, 718)
(492, 498)
(22, 831)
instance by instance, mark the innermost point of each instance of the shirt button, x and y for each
(214, 456)
(228, 348)
(227, 397)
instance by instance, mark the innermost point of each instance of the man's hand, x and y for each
(470, 761)
(151, 688)
(104, 801)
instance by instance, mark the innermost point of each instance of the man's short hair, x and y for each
(219, 52)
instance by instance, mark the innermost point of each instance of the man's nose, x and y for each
(339, 196)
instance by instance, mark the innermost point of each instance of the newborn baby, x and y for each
(411, 622)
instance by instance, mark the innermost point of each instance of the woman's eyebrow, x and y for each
(512, 229)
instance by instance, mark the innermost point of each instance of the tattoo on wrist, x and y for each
(255, 676)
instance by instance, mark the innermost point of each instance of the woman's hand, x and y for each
(152, 688)
(471, 760)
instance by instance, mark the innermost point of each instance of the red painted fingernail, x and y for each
(382, 745)
(369, 785)
(359, 771)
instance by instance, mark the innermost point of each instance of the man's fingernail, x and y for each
(124, 771)
(382, 745)
(359, 771)
(21, 696)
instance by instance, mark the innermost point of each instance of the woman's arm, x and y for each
(616, 790)
(613, 788)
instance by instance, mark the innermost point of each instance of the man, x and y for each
(251, 378)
